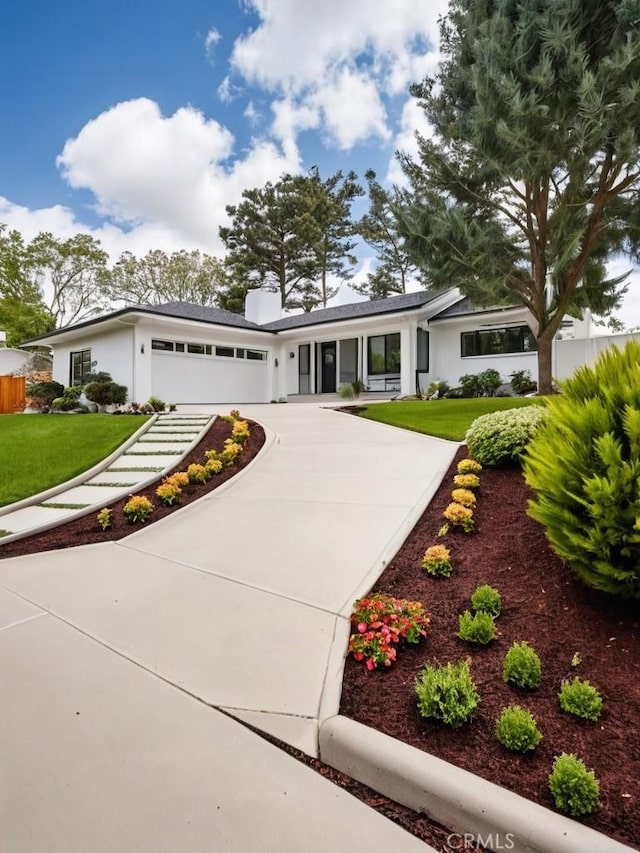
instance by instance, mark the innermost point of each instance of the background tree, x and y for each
(23, 313)
(271, 239)
(331, 211)
(157, 278)
(379, 229)
(291, 236)
(530, 178)
(70, 274)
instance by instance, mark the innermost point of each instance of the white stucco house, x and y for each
(186, 353)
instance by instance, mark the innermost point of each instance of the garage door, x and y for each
(202, 373)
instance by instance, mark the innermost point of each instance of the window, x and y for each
(80, 367)
(228, 352)
(497, 341)
(179, 347)
(384, 354)
(195, 349)
(256, 355)
(163, 346)
(422, 362)
(239, 353)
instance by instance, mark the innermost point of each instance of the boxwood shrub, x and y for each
(500, 438)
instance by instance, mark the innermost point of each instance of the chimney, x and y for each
(262, 306)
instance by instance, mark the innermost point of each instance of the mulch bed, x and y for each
(544, 604)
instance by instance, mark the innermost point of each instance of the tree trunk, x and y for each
(545, 376)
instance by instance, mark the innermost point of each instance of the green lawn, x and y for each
(442, 418)
(40, 451)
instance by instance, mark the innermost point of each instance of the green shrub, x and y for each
(584, 468)
(486, 599)
(105, 392)
(68, 400)
(574, 789)
(522, 383)
(476, 628)
(45, 392)
(516, 729)
(156, 404)
(447, 692)
(470, 385)
(440, 386)
(500, 438)
(522, 666)
(581, 699)
(489, 381)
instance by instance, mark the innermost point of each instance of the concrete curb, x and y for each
(453, 797)
(79, 513)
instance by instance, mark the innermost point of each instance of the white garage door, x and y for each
(212, 375)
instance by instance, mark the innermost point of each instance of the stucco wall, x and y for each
(111, 351)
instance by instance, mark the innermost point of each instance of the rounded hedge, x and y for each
(500, 438)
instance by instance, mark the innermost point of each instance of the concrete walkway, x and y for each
(116, 657)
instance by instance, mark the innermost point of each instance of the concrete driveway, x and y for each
(117, 659)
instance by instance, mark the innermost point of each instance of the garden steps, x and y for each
(152, 451)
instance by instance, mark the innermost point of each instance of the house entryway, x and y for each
(328, 367)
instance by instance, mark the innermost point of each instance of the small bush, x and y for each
(106, 393)
(486, 599)
(214, 465)
(470, 385)
(574, 789)
(516, 729)
(459, 516)
(478, 628)
(45, 392)
(169, 492)
(198, 473)
(581, 699)
(522, 666)
(466, 481)
(156, 404)
(382, 621)
(522, 383)
(500, 438)
(137, 508)
(464, 497)
(440, 388)
(469, 466)
(240, 431)
(437, 561)
(180, 478)
(447, 693)
(230, 452)
(104, 517)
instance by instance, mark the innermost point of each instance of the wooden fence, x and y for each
(12, 394)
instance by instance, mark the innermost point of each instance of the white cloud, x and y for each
(211, 40)
(338, 57)
(412, 119)
(352, 109)
(170, 175)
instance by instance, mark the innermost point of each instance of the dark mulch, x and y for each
(544, 604)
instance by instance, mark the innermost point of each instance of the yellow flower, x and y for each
(469, 466)
(464, 497)
(466, 481)
(459, 515)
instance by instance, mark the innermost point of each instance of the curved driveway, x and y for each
(117, 657)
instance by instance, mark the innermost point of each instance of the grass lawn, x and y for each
(442, 418)
(40, 451)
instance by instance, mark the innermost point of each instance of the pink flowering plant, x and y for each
(381, 621)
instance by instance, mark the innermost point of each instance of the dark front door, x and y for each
(328, 355)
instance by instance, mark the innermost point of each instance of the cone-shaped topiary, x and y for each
(584, 467)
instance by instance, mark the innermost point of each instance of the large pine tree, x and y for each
(530, 179)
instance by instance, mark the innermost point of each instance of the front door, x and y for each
(328, 356)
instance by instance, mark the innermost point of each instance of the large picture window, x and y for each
(80, 367)
(384, 354)
(497, 341)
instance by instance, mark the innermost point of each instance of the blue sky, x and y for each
(139, 121)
